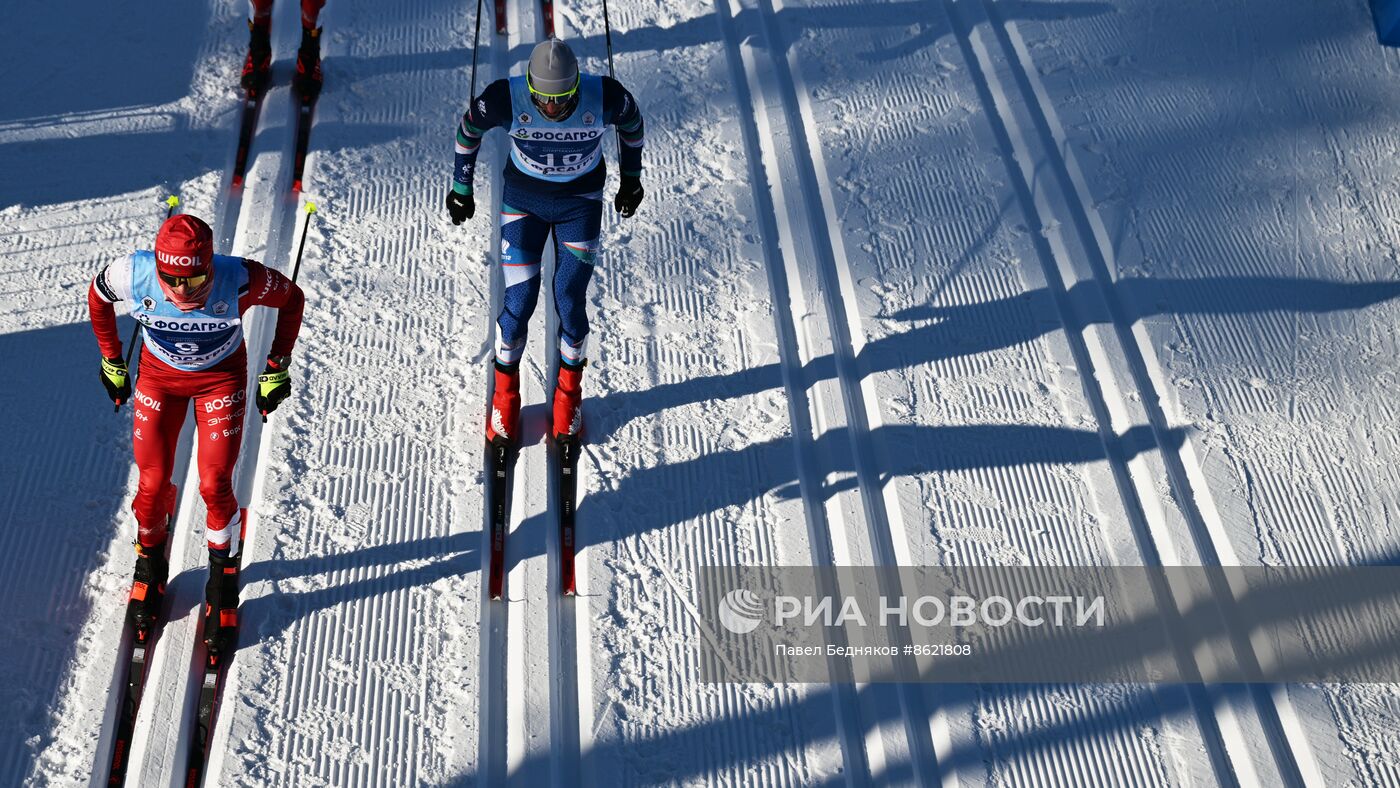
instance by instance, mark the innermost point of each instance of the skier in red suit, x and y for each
(190, 303)
(259, 60)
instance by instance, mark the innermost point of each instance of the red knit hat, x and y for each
(184, 246)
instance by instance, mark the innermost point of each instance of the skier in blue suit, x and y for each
(557, 118)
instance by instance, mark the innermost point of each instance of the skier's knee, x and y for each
(216, 489)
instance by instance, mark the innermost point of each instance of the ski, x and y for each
(568, 496)
(210, 690)
(252, 103)
(547, 11)
(500, 17)
(306, 108)
(499, 459)
(137, 645)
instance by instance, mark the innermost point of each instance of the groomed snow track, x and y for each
(883, 305)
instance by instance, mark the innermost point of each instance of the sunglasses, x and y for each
(184, 281)
(552, 99)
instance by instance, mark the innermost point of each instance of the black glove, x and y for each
(460, 206)
(629, 195)
(116, 379)
(274, 384)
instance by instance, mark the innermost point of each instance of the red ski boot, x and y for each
(258, 64)
(568, 395)
(502, 422)
(308, 78)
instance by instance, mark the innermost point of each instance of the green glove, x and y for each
(116, 379)
(274, 384)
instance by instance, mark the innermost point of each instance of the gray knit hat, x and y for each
(553, 68)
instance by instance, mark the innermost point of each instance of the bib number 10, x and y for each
(569, 160)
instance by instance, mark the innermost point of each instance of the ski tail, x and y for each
(306, 110)
(137, 645)
(498, 468)
(547, 13)
(211, 688)
(252, 102)
(568, 496)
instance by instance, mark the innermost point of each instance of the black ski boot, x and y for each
(258, 65)
(221, 604)
(308, 77)
(147, 587)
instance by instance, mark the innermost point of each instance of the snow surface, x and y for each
(915, 282)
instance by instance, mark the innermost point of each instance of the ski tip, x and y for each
(296, 186)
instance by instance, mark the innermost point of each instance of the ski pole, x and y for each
(607, 30)
(170, 203)
(301, 247)
(476, 41)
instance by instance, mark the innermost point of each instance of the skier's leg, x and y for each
(308, 77)
(219, 407)
(523, 236)
(575, 253)
(311, 12)
(258, 63)
(159, 414)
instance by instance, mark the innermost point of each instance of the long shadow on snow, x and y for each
(64, 464)
(55, 171)
(704, 30)
(433, 559)
(349, 69)
(1006, 322)
(663, 496)
(123, 59)
(673, 753)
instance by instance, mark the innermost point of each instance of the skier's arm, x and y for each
(621, 110)
(112, 284)
(487, 111)
(270, 288)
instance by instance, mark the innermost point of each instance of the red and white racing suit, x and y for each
(220, 395)
(310, 11)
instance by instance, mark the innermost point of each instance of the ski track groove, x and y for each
(975, 52)
(492, 741)
(925, 734)
(1296, 195)
(1000, 483)
(1282, 728)
(655, 345)
(1274, 719)
(353, 546)
(563, 616)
